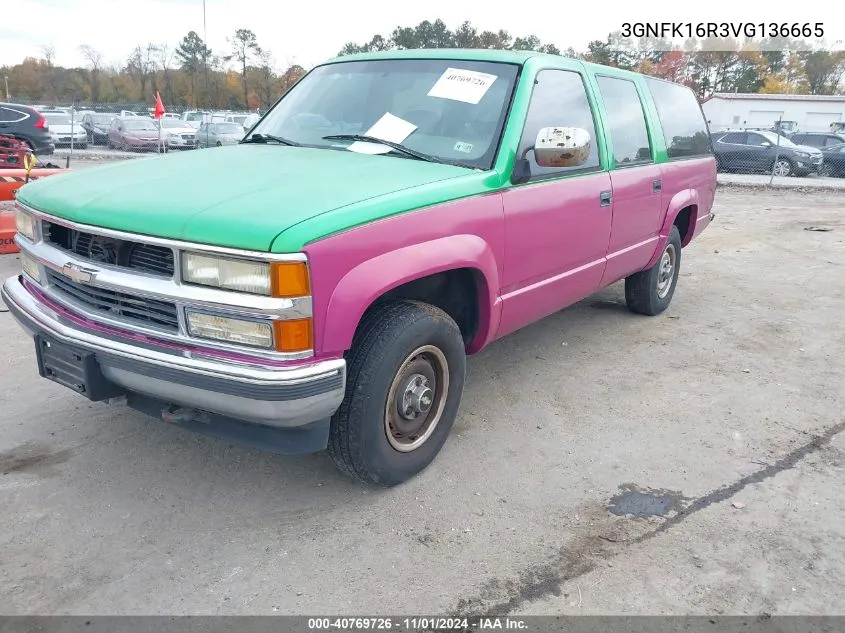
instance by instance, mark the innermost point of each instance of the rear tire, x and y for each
(404, 385)
(650, 291)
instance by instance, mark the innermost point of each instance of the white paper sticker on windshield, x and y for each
(468, 86)
(390, 128)
(466, 148)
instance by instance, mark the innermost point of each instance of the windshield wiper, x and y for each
(263, 138)
(373, 139)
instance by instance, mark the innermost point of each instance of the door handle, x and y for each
(656, 185)
(605, 198)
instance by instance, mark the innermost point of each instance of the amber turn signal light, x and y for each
(295, 335)
(289, 279)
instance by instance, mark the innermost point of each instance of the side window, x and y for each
(628, 131)
(831, 140)
(735, 138)
(757, 139)
(681, 118)
(559, 100)
(5, 115)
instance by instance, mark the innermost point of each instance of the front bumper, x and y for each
(78, 139)
(284, 397)
(182, 143)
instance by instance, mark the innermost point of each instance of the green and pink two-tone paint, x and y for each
(466, 223)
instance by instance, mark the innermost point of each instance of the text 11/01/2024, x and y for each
(722, 29)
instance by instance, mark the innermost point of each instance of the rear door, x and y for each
(731, 150)
(635, 179)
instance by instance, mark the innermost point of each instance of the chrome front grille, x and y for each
(142, 310)
(147, 258)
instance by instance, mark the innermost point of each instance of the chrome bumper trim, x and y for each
(274, 396)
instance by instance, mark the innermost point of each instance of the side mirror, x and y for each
(562, 147)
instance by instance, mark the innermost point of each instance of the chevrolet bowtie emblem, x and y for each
(78, 274)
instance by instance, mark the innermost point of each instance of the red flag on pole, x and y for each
(159, 110)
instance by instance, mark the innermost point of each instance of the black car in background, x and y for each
(97, 125)
(834, 160)
(764, 151)
(28, 125)
(817, 139)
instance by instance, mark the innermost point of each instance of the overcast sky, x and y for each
(309, 32)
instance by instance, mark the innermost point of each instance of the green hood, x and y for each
(244, 196)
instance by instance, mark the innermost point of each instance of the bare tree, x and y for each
(95, 63)
(49, 52)
(164, 56)
(149, 64)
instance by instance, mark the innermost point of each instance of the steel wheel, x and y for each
(416, 398)
(782, 167)
(666, 271)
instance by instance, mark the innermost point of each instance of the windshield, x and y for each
(139, 124)
(172, 123)
(228, 128)
(59, 119)
(452, 110)
(239, 119)
(773, 138)
(102, 118)
(194, 116)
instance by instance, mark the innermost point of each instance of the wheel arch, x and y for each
(421, 272)
(683, 207)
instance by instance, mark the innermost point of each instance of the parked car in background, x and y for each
(65, 130)
(97, 126)
(28, 125)
(761, 151)
(229, 117)
(322, 283)
(177, 134)
(126, 113)
(217, 134)
(195, 117)
(251, 119)
(834, 160)
(133, 133)
(817, 139)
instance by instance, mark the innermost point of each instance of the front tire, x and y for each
(404, 385)
(650, 291)
(782, 167)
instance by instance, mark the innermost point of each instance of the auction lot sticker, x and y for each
(468, 86)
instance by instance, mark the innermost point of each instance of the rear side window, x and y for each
(628, 131)
(681, 118)
(559, 99)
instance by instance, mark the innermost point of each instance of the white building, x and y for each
(812, 113)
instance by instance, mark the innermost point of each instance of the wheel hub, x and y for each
(666, 271)
(416, 399)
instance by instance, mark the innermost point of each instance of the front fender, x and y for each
(681, 200)
(362, 285)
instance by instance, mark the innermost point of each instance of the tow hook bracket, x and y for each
(180, 415)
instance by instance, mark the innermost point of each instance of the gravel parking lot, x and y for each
(721, 421)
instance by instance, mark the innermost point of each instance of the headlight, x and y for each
(25, 224)
(30, 267)
(277, 279)
(802, 154)
(239, 331)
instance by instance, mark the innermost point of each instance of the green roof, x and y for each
(474, 54)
